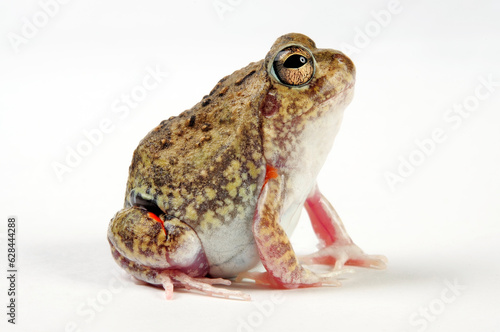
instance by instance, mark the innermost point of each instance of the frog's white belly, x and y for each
(231, 249)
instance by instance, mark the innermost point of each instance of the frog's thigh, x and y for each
(145, 246)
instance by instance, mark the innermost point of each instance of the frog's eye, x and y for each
(294, 66)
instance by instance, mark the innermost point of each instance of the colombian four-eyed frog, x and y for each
(217, 189)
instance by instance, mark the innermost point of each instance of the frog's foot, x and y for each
(311, 280)
(336, 247)
(339, 255)
(171, 278)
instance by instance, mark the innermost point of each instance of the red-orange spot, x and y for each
(157, 219)
(271, 173)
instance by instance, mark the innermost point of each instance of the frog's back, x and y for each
(206, 165)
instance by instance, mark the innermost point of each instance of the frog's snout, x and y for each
(343, 59)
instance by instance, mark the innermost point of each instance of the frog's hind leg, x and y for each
(283, 269)
(336, 247)
(163, 251)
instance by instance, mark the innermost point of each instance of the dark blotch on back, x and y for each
(218, 85)
(244, 78)
(192, 120)
(205, 101)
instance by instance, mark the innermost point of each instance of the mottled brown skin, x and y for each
(226, 177)
(209, 158)
(147, 241)
(204, 167)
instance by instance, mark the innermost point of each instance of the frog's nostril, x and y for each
(345, 60)
(136, 199)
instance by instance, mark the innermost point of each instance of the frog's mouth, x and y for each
(336, 101)
(343, 97)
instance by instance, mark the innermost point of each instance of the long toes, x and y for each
(220, 292)
(329, 280)
(172, 278)
(317, 258)
(378, 262)
(214, 281)
(169, 288)
(204, 285)
(338, 271)
(382, 258)
(229, 294)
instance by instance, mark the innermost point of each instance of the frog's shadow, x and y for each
(92, 264)
(360, 280)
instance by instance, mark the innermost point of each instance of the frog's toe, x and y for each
(378, 262)
(348, 254)
(330, 279)
(335, 272)
(265, 279)
(168, 286)
(171, 278)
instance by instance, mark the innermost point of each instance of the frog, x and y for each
(217, 191)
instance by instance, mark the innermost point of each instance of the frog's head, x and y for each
(308, 91)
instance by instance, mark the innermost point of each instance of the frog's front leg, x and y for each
(163, 251)
(336, 247)
(275, 250)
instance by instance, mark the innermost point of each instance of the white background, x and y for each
(439, 225)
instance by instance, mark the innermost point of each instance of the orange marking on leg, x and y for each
(157, 219)
(271, 173)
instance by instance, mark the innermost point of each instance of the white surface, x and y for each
(440, 226)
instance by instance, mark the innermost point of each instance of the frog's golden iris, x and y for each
(294, 66)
